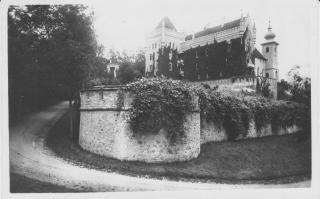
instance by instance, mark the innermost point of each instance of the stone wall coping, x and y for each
(120, 109)
(107, 88)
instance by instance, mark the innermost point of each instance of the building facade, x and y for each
(165, 34)
(218, 52)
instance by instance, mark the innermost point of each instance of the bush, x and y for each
(234, 113)
(160, 104)
(227, 111)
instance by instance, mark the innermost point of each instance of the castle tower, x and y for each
(270, 52)
(165, 34)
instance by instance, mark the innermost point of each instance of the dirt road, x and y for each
(29, 157)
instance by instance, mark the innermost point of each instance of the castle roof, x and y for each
(166, 22)
(257, 54)
(219, 28)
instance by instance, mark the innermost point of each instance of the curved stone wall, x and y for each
(105, 130)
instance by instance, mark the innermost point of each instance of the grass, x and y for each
(273, 159)
(21, 184)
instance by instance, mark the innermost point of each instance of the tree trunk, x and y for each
(71, 119)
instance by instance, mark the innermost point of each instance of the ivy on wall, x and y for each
(167, 63)
(234, 113)
(160, 104)
(212, 61)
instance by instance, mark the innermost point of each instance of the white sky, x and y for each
(123, 25)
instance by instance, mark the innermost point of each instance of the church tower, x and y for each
(270, 52)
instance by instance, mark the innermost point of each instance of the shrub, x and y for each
(227, 111)
(234, 113)
(160, 104)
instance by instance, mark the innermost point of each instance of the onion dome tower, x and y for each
(270, 52)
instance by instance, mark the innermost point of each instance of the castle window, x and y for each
(196, 54)
(170, 67)
(206, 52)
(267, 75)
(267, 49)
(150, 57)
(275, 49)
(172, 45)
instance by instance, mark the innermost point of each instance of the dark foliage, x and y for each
(234, 113)
(216, 60)
(160, 104)
(52, 53)
(168, 63)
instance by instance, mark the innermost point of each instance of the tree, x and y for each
(283, 90)
(127, 74)
(52, 53)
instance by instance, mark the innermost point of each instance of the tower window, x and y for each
(267, 49)
(170, 67)
(267, 75)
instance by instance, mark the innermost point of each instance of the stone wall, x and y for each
(213, 132)
(105, 130)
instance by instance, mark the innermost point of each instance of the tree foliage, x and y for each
(129, 70)
(298, 89)
(52, 53)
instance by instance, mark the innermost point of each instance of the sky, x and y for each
(124, 24)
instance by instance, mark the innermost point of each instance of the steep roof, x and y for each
(257, 54)
(225, 26)
(167, 24)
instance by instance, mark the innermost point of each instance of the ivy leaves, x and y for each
(160, 104)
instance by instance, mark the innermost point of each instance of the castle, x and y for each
(223, 51)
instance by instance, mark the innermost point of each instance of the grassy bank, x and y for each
(274, 159)
(21, 184)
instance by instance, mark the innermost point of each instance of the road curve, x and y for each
(29, 157)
